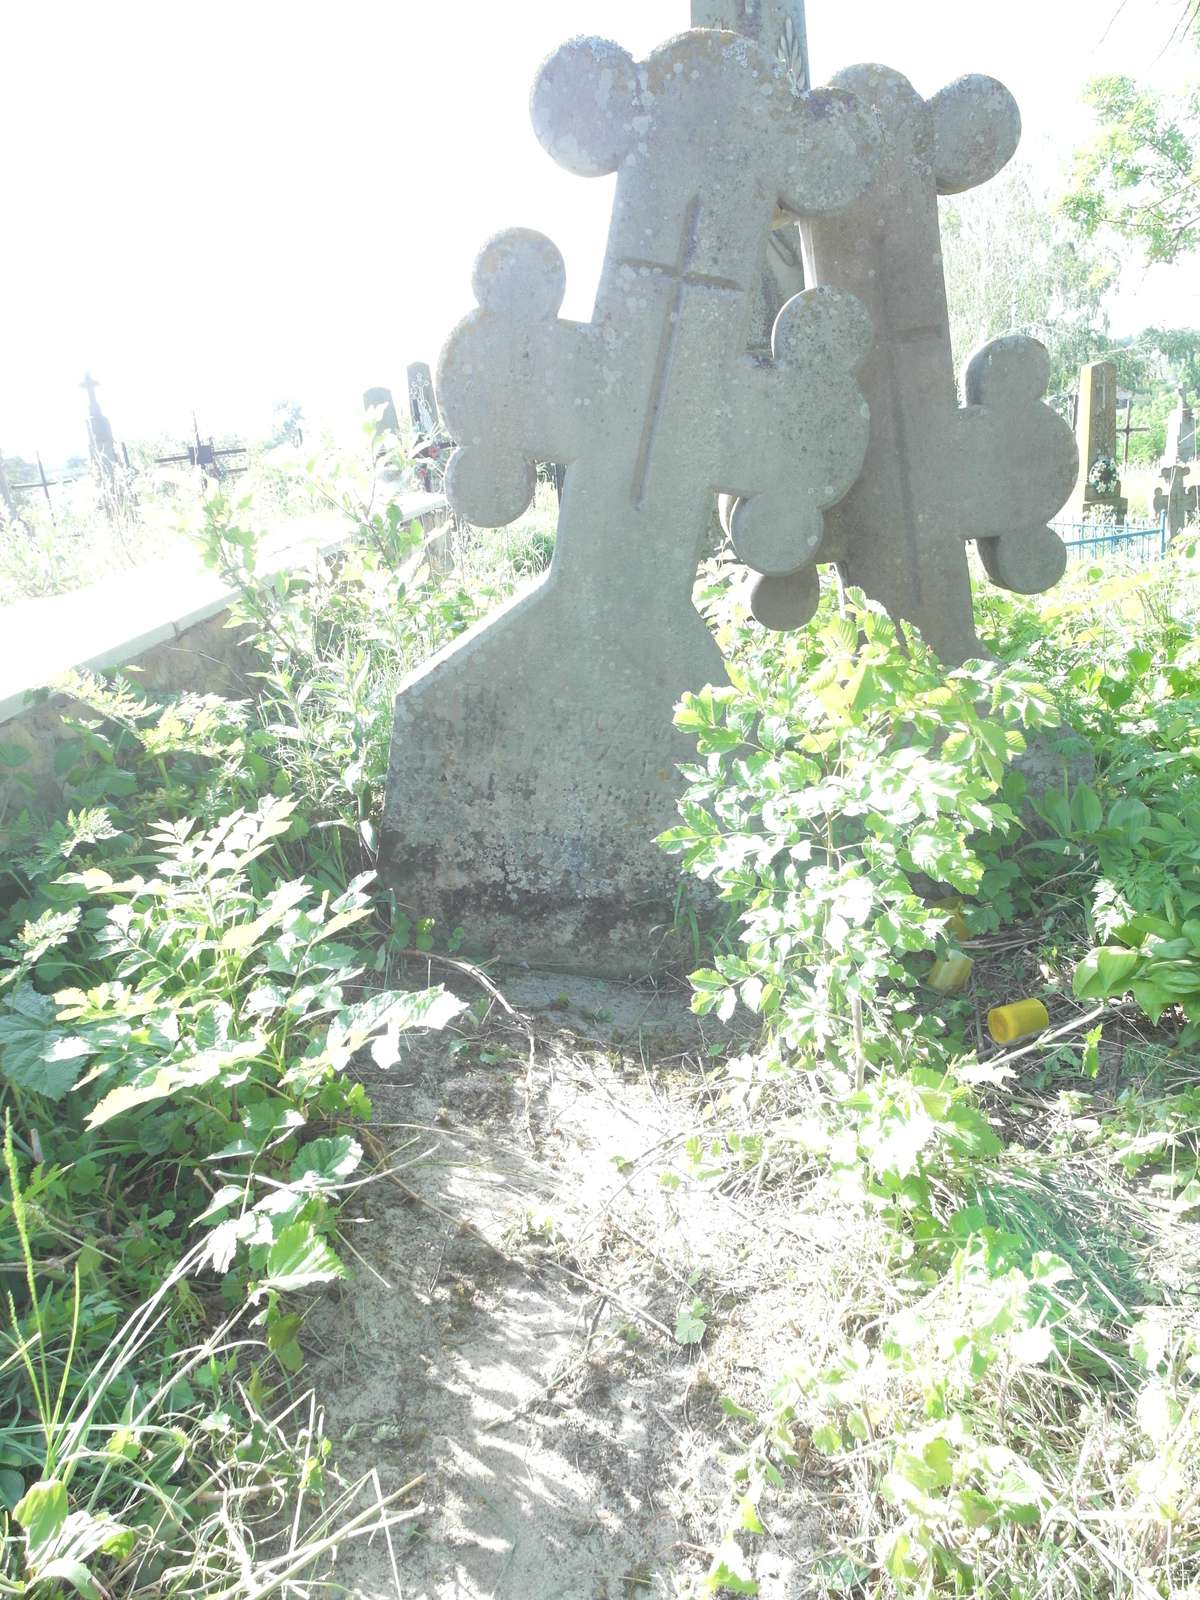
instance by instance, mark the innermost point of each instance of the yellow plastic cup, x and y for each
(1017, 1021)
(956, 923)
(951, 975)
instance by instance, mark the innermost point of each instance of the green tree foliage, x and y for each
(1012, 266)
(1140, 178)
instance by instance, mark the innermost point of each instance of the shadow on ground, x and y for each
(508, 1336)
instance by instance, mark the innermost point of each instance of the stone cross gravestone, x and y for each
(1179, 503)
(937, 474)
(1096, 434)
(1181, 435)
(534, 761)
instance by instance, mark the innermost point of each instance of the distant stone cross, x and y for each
(533, 762)
(91, 385)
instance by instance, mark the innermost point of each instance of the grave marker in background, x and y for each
(1096, 436)
(381, 399)
(1181, 435)
(101, 444)
(1178, 504)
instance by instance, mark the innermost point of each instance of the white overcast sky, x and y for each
(226, 204)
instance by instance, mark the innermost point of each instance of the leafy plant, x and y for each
(193, 955)
(845, 786)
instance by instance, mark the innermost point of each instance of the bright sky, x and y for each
(225, 205)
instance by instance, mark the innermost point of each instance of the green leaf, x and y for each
(42, 1510)
(975, 1509)
(690, 1324)
(35, 1053)
(325, 1162)
(128, 1095)
(298, 1259)
(69, 1570)
(159, 1083)
(283, 1341)
(1106, 972)
(748, 1518)
(730, 1571)
(893, 1552)
(1130, 817)
(706, 981)
(1054, 809)
(1086, 810)
(1089, 1065)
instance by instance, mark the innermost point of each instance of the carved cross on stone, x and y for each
(937, 474)
(533, 762)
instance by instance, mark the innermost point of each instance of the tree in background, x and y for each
(1139, 179)
(287, 420)
(1154, 365)
(1014, 266)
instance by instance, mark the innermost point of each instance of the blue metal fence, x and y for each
(1142, 542)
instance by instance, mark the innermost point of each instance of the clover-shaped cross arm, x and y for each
(1016, 462)
(514, 381)
(804, 445)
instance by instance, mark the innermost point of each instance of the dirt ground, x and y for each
(508, 1338)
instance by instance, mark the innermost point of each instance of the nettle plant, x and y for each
(336, 634)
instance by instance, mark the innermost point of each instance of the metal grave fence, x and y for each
(1139, 542)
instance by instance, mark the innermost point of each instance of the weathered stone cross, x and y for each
(936, 474)
(532, 762)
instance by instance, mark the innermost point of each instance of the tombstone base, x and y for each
(1087, 508)
(532, 768)
(590, 938)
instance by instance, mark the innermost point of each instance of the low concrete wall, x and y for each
(168, 619)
